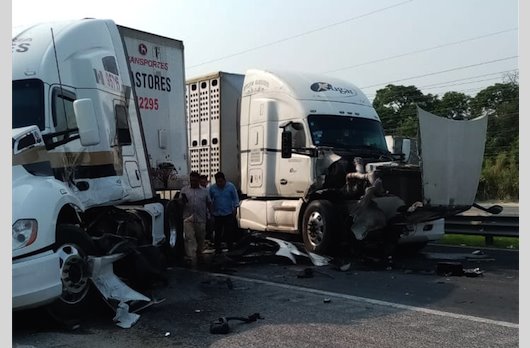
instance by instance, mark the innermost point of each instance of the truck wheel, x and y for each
(73, 246)
(318, 225)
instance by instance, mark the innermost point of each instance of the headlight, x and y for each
(24, 233)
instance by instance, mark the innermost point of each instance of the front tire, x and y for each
(318, 227)
(73, 246)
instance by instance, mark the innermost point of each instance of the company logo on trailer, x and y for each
(142, 49)
(324, 87)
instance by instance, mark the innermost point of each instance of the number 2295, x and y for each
(148, 103)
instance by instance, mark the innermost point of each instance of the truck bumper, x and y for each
(36, 280)
(424, 232)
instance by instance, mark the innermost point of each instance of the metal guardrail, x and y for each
(487, 226)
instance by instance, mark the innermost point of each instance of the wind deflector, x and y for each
(451, 159)
(110, 65)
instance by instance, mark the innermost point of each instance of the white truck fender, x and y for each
(41, 199)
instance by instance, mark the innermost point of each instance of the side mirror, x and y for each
(86, 122)
(399, 147)
(26, 140)
(405, 149)
(287, 144)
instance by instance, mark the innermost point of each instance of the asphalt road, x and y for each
(373, 304)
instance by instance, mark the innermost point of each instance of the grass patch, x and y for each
(479, 241)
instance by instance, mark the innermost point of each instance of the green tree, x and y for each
(454, 105)
(396, 106)
(500, 171)
(500, 103)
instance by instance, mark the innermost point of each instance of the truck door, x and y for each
(123, 142)
(107, 173)
(294, 173)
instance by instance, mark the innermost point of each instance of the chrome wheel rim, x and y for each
(315, 228)
(74, 274)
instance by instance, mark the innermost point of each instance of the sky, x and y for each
(438, 46)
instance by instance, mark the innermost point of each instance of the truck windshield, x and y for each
(347, 132)
(28, 103)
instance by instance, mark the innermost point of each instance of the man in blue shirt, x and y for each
(224, 209)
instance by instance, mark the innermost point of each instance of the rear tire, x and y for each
(73, 246)
(318, 227)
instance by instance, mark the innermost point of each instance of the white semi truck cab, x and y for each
(98, 127)
(312, 159)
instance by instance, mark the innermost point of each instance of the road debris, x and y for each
(449, 268)
(457, 269)
(115, 292)
(306, 273)
(473, 272)
(253, 247)
(345, 267)
(220, 326)
(137, 306)
(123, 317)
(318, 260)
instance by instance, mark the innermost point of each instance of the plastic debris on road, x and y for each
(123, 318)
(112, 288)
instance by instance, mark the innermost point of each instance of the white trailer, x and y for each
(214, 140)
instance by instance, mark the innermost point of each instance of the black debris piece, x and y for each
(473, 272)
(306, 273)
(220, 326)
(449, 268)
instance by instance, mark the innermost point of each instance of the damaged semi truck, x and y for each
(310, 157)
(98, 127)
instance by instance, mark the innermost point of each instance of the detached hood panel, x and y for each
(451, 159)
